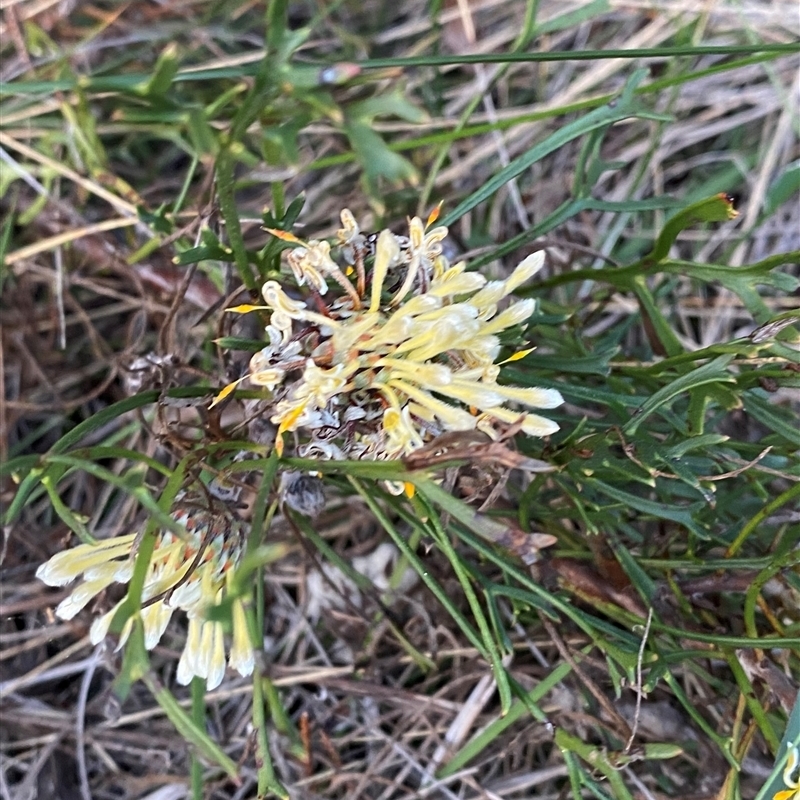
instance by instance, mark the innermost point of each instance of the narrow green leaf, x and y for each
(237, 343)
(712, 372)
(570, 19)
(23, 493)
(135, 662)
(18, 464)
(771, 416)
(164, 73)
(267, 779)
(598, 363)
(99, 419)
(418, 565)
(790, 742)
(376, 159)
(198, 690)
(189, 730)
(718, 208)
(671, 51)
(788, 497)
(201, 134)
(597, 757)
(785, 186)
(640, 580)
(483, 739)
(721, 741)
(394, 104)
(670, 344)
(622, 108)
(203, 252)
(683, 516)
(491, 646)
(753, 703)
(65, 514)
(702, 443)
(8, 227)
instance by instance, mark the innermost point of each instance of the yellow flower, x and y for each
(191, 573)
(406, 354)
(423, 250)
(791, 777)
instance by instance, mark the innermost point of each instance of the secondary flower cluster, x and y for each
(190, 572)
(391, 348)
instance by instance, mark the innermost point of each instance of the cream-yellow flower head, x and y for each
(376, 368)
(191, 573)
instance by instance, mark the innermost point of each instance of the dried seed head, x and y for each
(302, 492)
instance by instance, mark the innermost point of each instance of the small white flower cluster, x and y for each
(191, 573)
